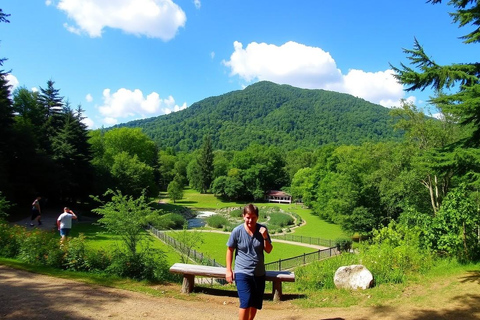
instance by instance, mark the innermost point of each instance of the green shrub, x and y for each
(395, 253)
(97, 260)
(217, 221)
(75, 257)
(149, 265)
(169, 221)
(319, 275)
(280, 220)
(236, 213)
(394, 264)
(10, 239)
(343, 244)
(40, 247)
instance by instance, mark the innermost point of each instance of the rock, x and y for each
(353, 277)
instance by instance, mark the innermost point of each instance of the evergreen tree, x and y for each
(462, 79)
(205, 162)
(52, 104)
(6, 120)
(72, 156)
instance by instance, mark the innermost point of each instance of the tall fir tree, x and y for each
(6, 121)
(205, 161)
(52, 105)
(462, 79)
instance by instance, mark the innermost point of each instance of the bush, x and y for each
(319, 275)
(236, 213)
(98, 260)
(149, 265)
(217, 221)
(75, 256)
(343, 244)
(10, 239)
(395, 253)
(280, 220)
(169, 221)
(40, 247)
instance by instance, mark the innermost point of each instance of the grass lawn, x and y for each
(214, 246)
(315, 227)
(97, 238)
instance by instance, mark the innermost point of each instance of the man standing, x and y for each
(247, 242)
(36, 211)
(64, 222)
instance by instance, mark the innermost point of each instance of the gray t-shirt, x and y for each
(249, 258)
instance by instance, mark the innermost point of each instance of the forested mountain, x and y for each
(270, 114)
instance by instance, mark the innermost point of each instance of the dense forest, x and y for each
(269, 114)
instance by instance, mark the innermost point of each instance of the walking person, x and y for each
(36, 212)
(64, 222)
(247, 242)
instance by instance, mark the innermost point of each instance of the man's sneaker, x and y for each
(31, 224)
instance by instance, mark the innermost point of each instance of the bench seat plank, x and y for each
(189, 271)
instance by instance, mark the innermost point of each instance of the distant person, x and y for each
(36, 212)
(64, 222)
(247, 242)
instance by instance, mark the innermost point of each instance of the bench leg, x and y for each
(188, 283)
(277, 290)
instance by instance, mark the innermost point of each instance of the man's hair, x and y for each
(66, 208)
(250, 208)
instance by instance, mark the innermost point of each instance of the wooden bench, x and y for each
(189, 271)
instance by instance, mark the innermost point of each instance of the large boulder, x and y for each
(353, 277)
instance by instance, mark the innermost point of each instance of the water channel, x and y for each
(200, 219)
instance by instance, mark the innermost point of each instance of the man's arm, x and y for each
(74, 216)
(267, 244)
(228, 261)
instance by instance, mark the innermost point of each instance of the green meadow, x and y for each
(213, 244)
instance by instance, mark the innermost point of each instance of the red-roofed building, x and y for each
(278, 196)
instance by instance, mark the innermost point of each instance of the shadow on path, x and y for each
(33, 299)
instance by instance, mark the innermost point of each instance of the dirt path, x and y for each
(25, 295)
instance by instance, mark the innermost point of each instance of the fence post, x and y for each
(280, 264)
(304, 262)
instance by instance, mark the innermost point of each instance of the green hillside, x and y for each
(272, 114)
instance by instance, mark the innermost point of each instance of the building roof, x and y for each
(277, 193)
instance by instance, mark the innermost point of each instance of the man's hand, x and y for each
(229, 276)
(263, 231)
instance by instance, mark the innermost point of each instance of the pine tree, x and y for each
(52, 105)
(464, 78)
(205, 162)
(6, 120)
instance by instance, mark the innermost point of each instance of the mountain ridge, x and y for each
(271, 114)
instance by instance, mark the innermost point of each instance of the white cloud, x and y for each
(89, 98)
(125, 103)
(150, 18)
(197, 4)
(88, 122)
(12, 81)
(313, 68)
(110, 121)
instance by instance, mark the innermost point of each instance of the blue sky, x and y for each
(130, 59)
